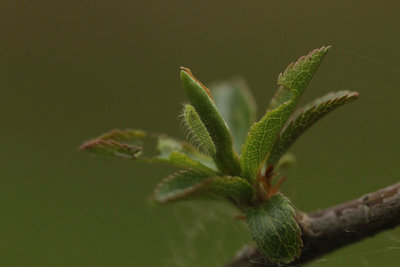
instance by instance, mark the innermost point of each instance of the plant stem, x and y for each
(329, 229)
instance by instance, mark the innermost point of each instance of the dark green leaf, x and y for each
(301, 120)
(263, 134)
(189, 183)
(200, 97)
(237, 106)
(274, 228)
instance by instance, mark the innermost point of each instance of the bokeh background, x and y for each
(70, 70)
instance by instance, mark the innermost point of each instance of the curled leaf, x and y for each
(200, 97)
(197, 133)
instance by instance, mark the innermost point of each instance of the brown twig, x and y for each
(332, 228)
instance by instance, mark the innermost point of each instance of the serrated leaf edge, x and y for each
(344, 96)
(135, 151)
(302, 58)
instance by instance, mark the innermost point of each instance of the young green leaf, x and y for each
(301, 120)
(274, 228)
(297, 76)
(189, 183)
(200, 97)
(119, 143)
(263, 134)
(112, 148)
(237, 106)
(197, 133)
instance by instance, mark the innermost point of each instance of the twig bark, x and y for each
(326, 230)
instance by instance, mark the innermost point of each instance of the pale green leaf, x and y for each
(264, 133)
(169, 148)
(189, 183)
(237, 106)
(301, 120)
(200, 97)
(274, 228)
(196, 131)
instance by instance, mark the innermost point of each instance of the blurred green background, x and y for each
(71, 70)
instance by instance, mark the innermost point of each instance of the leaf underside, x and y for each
(117, 143)
(274, 229)
(196, 131)
(188, 183)
(301, 120)
(264, 133)
(112, 148)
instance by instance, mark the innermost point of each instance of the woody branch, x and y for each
(329, 229)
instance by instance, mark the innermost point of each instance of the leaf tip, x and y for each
(90, 144)
(186, 75)
(323, 50)
(185, 70)
(354, 95)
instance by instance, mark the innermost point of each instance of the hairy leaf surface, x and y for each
(274, 228)
(200, 97)
(196, 131)
(264, 133)
(301, 120)
(189, 183)
(237, 106)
